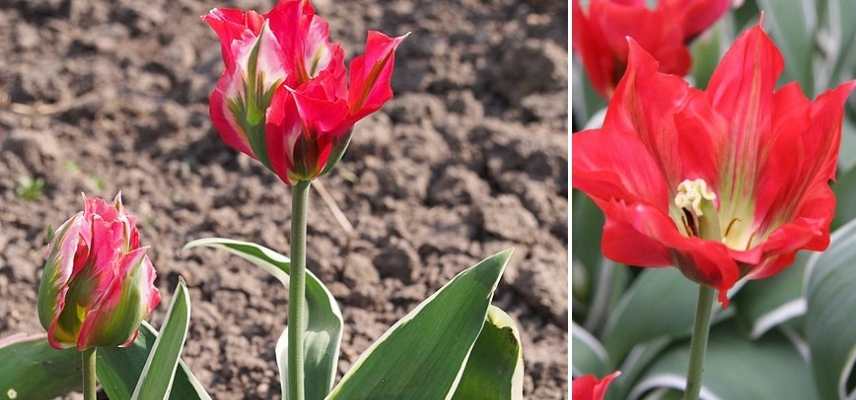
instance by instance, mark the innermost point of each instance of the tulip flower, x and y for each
(599, 34)
(588, 387)
(98, 283)
(723, 183)
(285, 97)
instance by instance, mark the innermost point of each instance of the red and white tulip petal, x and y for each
(232, 24)
(56, 275)
(224, 121)
(115, 316)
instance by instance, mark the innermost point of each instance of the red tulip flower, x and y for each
(98, 283)
(588, 387)
(285, 97)
(599, 34)
(722, 183)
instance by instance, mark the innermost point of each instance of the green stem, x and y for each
(89, 378)
(698, 343)
(297, 290)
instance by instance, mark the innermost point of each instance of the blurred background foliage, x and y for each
(789, 337)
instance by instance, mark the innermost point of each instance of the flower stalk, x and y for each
(698, 342)
(297, 290)
(89, 376)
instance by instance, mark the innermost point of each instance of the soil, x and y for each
(468, 159)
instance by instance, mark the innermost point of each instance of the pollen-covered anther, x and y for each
(691, 194)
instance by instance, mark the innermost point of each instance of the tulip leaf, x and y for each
(838, 15)
(767, 303)
(589, 356)
(845, 193)
(708, 49)
(32, 369)
(792, 24)
(494, 369)
(157, 377)
(324, 327)
(829, 323)
(735, 368)
(119, 370)
(586, 101)
(630, 323)
(634, 365)
(423, 355)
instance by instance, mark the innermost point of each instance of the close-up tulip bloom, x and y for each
(599, 33)
(98, 284)
(589, 387)
(723, 183)
(285, 97)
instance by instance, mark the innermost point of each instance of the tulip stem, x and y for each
(89, 377)
(297, 290)
(698, 342)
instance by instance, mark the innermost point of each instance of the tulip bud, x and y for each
(98, 284)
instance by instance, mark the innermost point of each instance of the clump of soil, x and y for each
(468, 159)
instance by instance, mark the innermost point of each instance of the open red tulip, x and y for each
(599, 34)
(285, 97)
(588, 387)
(722, 183)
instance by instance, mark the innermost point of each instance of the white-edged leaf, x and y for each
(323, 334)
(157, 377)
(423, 355)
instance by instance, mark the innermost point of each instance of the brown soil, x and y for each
(468, 159)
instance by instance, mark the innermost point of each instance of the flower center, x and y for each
(695, 212)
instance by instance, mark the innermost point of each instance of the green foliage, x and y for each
(324, 326)
(29, 188)
(405, 362)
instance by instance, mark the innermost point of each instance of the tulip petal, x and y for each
(55, 277)
(589, 42)
(371, 75)
(224, 121)
(588, 387)
(698, 15)
(741, 90)
(644, 104)
(231, 24)
(116, 314)
(283, 128)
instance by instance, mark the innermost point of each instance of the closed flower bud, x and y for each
(98, 284)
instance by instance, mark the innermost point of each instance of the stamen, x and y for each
(690, 195)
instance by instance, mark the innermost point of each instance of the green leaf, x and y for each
(159, 371)
(634, 365)
(119, 370)
(837, 17)
(767, 303)
(423, 355)
(735, 368)
(589, 356)
(324, 327)
(845, 193)
(709, 48)
(586, 101)
(494, 368)
(847, 152)
(645, 313)
(829, 323)
(792, 24)
(32, 369)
